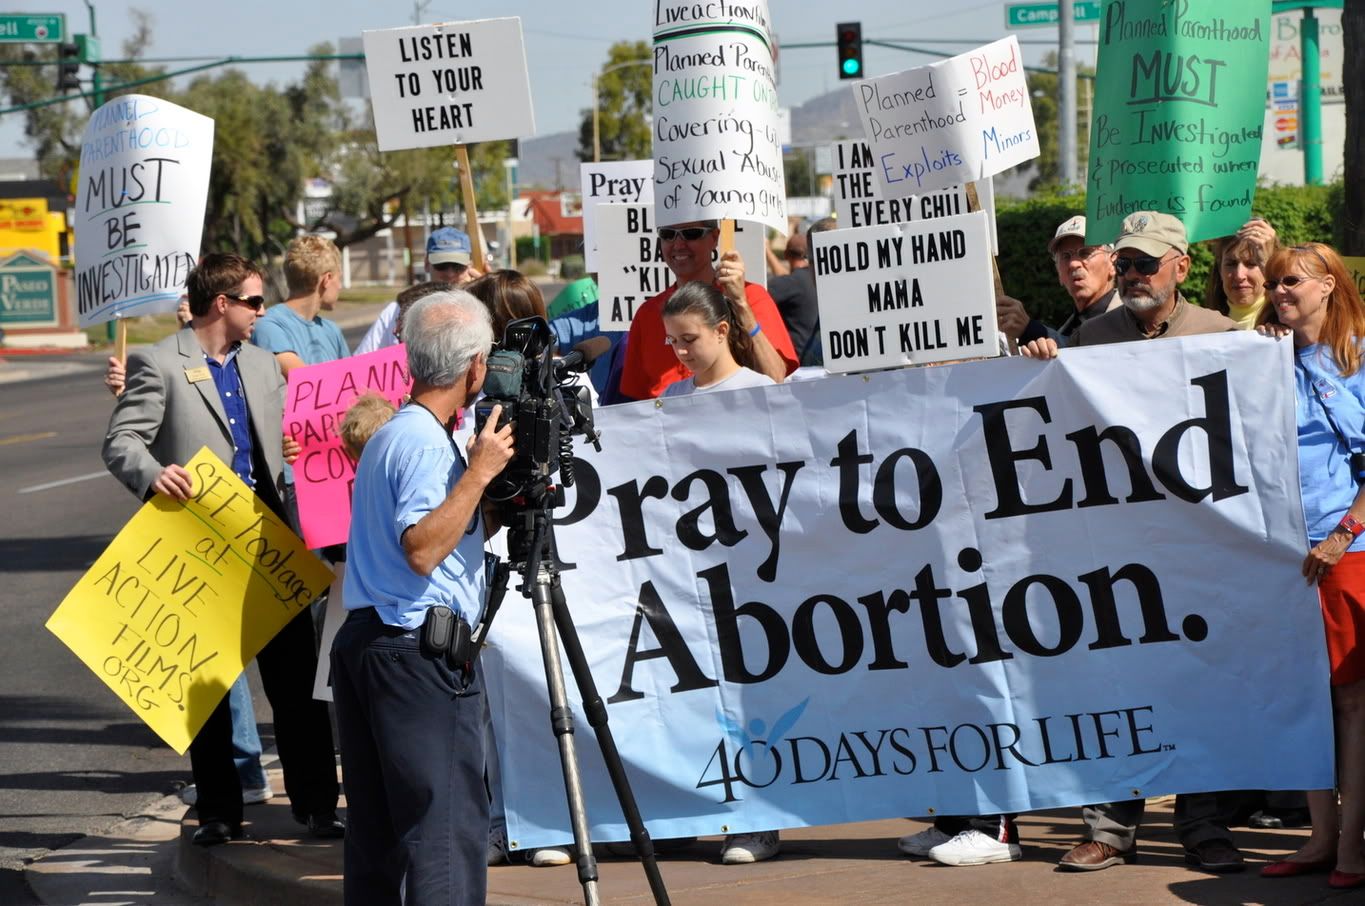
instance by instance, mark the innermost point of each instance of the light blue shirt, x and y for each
(316, 341)
(1325, 479)
(408, 469)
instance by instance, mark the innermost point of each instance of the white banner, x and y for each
(140, 199)
(619, 181)
(631, 267)
(969, 589)
(453, 83)
(717, 152)
(905, 293)
(950, 122)
(859, 201)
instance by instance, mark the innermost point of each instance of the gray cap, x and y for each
(1154, 233)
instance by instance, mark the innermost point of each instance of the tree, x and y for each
(625, 89)
(1353, 75)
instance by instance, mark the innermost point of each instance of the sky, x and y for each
(565, 40)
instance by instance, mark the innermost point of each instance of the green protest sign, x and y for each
(1179, 110)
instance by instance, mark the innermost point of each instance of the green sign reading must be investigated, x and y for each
(1179, 113)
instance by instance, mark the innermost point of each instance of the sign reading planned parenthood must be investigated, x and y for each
(140, 201)
(952, 122)
(905, 294)
(448, 84)
(717, 147)
(1179, 112)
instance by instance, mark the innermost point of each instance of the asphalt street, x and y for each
(73, 759)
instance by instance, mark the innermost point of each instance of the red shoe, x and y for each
(1345, 880)
(1288, 869)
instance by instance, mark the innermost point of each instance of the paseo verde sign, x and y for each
(28, 292)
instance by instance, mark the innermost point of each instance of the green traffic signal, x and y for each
(852, 67)
(848, 40)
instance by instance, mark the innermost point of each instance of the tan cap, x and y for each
(1152, 232)
(1073, 227)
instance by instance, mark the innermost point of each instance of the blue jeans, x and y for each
(246, 742)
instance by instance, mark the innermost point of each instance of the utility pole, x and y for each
(1066, 84)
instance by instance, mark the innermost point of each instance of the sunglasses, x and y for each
(690, 234)
(450, 266)
(1289, 281)
(1146, 265)
(256, 302)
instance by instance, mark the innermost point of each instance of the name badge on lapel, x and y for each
(195, 375)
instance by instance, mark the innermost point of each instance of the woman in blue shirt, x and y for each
(1313, 295)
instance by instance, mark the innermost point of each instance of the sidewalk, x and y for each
(852, 863)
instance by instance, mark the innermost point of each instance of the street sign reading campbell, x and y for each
(24, 28)
(1029, 15)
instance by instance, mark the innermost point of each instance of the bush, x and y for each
(1298, 214)
(571, 268)
(526, 250)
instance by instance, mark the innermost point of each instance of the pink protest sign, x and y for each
(315, 403)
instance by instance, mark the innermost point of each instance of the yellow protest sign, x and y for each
(1356, 267)
(185, 596)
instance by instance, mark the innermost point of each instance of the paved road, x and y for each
(72, 758)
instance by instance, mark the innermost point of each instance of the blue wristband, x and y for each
(757, 328)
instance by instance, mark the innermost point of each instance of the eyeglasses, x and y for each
(1288, 281)
(1146, 265)
(450, 266)
(256, 302)
(1065, 256)
(690, 234)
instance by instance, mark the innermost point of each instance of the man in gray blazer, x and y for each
(206, 386)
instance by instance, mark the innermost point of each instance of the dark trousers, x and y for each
(412, 755)
(303, 734)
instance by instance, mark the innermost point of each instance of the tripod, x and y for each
(540, 582)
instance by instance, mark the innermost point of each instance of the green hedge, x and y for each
(1298, 213)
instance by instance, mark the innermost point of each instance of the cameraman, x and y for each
(411, 718)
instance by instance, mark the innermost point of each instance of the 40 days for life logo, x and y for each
(755, 760)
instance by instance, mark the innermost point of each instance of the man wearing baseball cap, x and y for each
(1086, 272)
(1151, 260)
(449, 254)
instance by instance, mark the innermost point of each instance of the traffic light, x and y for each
(68, 68)
(848, 36)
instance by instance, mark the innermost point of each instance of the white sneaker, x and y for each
(256, 795)
(741, 849)
(190, 795)
(920, 844)
(971, 847)
(497, 845)
(551, 855)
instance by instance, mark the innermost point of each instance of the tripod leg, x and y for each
(595, 710)
(561, 722)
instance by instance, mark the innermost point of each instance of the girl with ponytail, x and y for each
(701, 326)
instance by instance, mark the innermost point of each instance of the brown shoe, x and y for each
(1094, 856)
(1218, 856)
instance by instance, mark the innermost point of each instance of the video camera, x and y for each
(537, 394)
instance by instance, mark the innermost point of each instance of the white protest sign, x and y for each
(453, 83)
(905, 293)
(859, 200)
(959, 590)
(140, 200)
(631, 266)
(717, 150)
(618, 181)
(954, 121)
